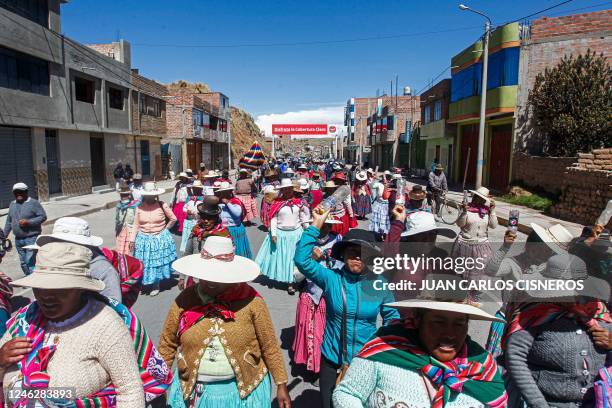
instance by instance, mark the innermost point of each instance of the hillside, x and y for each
(244, 133)
(193, 87)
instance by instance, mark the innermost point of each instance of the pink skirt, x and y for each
(251, 206)
(265, 213)
(122, 245)
(309, 329)
(177, 209)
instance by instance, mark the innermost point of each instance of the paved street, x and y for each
(152, 310)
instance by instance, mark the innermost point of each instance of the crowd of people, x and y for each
(363, 343)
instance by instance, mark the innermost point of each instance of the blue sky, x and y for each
(297, 78)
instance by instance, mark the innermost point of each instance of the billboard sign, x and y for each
(294, 129)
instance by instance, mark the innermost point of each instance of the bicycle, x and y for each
(448, 211)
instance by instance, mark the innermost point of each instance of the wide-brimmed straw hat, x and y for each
(422, 221)
(224, 186)
(462, 307)
(363, 238)
(285, 183)
(566, 267)
(445, 296)
(197, 184)
(70, 229)
(483, 193)
(62, 265)
(329, 184)
(439, 167)
(361, 176)
(217, 262)
(556, 237)
(211, 174)
(183, 175)
(417, 193)
(150, 189)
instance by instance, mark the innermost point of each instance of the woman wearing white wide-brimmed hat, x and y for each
(475, 219)
(153, 244)
(420, 361)
(70, 338)
(232, 216)
(275, 257)
(221, 334)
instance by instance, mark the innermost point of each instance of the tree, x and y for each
(572, 105)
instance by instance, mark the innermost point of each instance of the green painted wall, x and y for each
(502, 97)
(504, 34)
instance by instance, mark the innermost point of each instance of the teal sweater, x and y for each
(359, 291)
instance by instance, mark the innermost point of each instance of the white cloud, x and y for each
(332, 115)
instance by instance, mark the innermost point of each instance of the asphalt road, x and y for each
(152, 310)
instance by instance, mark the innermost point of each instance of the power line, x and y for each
(298, 43)
(538, 12)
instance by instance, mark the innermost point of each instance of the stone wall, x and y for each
(587, 187)
(540, 172)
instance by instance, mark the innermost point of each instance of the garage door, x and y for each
(15, 162)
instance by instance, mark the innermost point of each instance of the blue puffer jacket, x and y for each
(360, 290)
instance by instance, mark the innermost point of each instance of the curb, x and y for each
(105, 206)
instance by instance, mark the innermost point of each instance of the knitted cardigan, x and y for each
(249, 340)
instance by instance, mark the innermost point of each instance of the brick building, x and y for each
(356, 115)
(389, 141)
(438, 134)
(544, 45)
(198, 130)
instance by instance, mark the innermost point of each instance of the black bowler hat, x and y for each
(209, 207)
(360, 237)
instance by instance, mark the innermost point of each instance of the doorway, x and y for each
(469, 141)
(499, 164)
(53, 168)
(96, 150)
(145, 158)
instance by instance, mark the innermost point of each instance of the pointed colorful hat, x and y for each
(252, 159)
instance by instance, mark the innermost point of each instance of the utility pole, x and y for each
(483, 107)
(483, 95)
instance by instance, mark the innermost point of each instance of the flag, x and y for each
(253, 158)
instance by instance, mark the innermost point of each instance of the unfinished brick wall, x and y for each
(587, 187)
(540, 172)
(551, 39)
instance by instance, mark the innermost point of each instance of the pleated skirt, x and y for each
(276, 260)
(309, 328)
(187, 226)
(379, 223)
(250, 204)
(221, 394)
(241, 241)
(157, 252)
(362, 205)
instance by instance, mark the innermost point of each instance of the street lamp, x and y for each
(483, 92)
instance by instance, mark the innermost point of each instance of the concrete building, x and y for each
(198, 130)
(65, 111)
(356, 115)
(464, 109)
(388, 138)
(438, 134)
(545, 42)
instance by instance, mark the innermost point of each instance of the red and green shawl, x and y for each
(29, 322)
(280, 203)
(474, 372)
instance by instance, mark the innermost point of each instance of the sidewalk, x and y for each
(526, 217)
(81, 205)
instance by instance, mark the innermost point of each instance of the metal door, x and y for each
(96, 147)
(499, 163)
(53, 168)
(145, 158)
(16, 164)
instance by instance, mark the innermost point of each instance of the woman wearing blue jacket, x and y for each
(352, 295)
